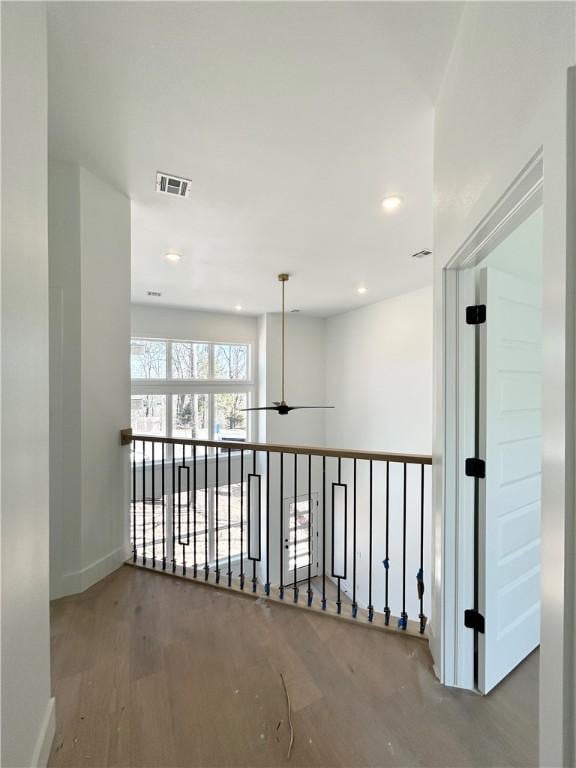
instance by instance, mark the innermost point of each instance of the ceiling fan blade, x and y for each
(264, 408)
(301, 407)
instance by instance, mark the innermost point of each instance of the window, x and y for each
(200, 529)
(190, 360)
(149, 414)
(210, 526)
(231, 361)
(148, 418)
(191, 389)
(229, 416)
(190, 416)
(148, 359)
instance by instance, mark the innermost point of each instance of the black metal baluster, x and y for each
(371, 509)
(134, 544)
(309, 530)
(254, 580)
(386, 561)
(217, 505)
(295, 524)
(267, 585)
(180, 509)
(229, 574)
(283, 539)
(188, 494)
(206, 555)
(173, 508)
(420, 575)
(354, 603)
(403, 620)
(338, 599)
(195, 509)
(144, 502)
(324, 533)
(242, 518)
(163, 486)
(153, 505)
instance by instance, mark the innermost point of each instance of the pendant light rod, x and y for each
(283, 278)
(282, 407)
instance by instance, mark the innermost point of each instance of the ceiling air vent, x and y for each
(172, 185)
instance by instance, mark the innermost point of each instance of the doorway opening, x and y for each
(493, 370)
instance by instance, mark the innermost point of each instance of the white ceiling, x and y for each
(293, 121)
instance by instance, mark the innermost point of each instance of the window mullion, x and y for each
(211, 366)
(169, 372)
(169, 414)
(211, 416)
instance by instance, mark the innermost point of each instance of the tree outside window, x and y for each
(231, 361)
(148, 359)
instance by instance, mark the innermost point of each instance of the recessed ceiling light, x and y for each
(238, 307)
(173, 258)
(392, 202)
(362, 289)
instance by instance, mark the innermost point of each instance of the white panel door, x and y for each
(510, 441)
(300, 538)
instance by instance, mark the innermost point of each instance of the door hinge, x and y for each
(474, 620)
(475, 468)
(476, 314)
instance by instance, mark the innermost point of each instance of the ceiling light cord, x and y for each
(282, 408)
(283, 399)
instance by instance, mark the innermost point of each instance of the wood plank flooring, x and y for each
(152, 671)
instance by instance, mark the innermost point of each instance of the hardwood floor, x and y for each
(154, 671)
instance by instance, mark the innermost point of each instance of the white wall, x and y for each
(65, 372)
(494, 111)
(165, 323)
(379, 378)
(304, 378)
(89, 234)
(105, 248)
(26, 708)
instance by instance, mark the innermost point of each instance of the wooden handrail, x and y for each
(126, 438)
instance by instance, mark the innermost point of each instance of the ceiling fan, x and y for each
(282, 407)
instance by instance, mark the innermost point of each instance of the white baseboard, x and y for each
(45, 737)
(79, 581)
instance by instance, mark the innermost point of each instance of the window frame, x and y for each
(210, 386)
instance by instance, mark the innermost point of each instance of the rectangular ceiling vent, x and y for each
(172, 185)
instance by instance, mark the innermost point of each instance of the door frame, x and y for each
(523, 197)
